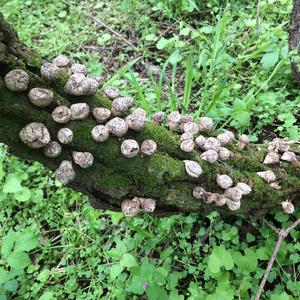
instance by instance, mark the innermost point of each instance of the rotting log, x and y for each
(294, 38)
(114, 178)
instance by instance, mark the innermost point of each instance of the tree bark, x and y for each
(114, 178)
(294, 37)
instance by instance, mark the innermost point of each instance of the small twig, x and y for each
(258, 20)
(282, 234)
(100, 22)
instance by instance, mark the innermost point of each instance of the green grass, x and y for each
(210, 60)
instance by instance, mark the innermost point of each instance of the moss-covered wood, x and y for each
(114, 178)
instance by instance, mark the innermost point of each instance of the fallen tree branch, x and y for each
(282, 234)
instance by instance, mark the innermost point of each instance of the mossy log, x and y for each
(294, 37)
(114, 178)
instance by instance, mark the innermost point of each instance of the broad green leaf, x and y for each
(219, 257)
(23, 195)
(8, 243)
(243, 118)
(47, 296)
(128, 261)
(11, 285)
(270, 59)
(115, 271)
(162, 43)
(12, 184)
(18, 260)
(4, 275)
(26, 242)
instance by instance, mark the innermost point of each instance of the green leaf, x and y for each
(115, 271)
(8, 243)
(243, 118)
(47, 296)
(12, 184)
(219, 257)
(162, 43)
(128, 261)
(11, 285)
(26, 242)
(18, 260)
(23, 195)
(4, 275)
(270, 59)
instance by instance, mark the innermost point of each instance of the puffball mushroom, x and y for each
(35, 135)
(225, 137)
(267, 176)
(61, 114)
(187, 145)
(287, 207)
(148, 147)
(158, 117)
(117, 127)
(79, 111)
(199, 192)
(233, 205)
(190, 127)
(101, 114)
(137, 119)
(78, 69)
(289, 156)
(130, 148)
(121, 105)
(40, 97)
(224, 153)
(243, 141)
(79, 85)
(112, 92)
(147, 204)
(206, 124)
(65, 136)
(50, 71)
(130, 208)
(53, 149)
(211, 156)
(211, 143)
(275, 185)
(174, 119)
(210, 197)
(221, 200)
(278, 145)
(186, 136)
(234, 194)
(16, 80)
(244, 187)
(61, 61)
(271, 158)
(100, 133)
(65, 172)
(200, 141)
(224, 181)
(83, 159)
(192, 168)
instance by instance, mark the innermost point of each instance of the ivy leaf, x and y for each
(18, 260)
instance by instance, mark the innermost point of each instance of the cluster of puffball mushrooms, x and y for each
(119, 119)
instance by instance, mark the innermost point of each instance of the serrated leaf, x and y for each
(18, 260)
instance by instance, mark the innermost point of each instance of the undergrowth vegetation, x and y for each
(215, 58)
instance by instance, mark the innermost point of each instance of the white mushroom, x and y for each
(267, 176)
(287, 207)
(289, 156)
(112, 92)
(187, 145)
(200, 141)
(65, 136)
(65, 172)
(158, 117)
(224, 181)
(130, 148)
(190, 127)
(117, 127)
(130, 208)
(147, 204)
(35, 135)
(101, 114)
(78, 68)
(61, 114)
(243, 141)
(16, 80)
(211, 156)
(79, 111)
(186, 136)
(233, 205)
(199, 192)
(50, 71)
(233, 193)
(100, 133)
(148, 147)
(225, 137)
(271, 158)
(211, 143)
(61, 61)
(193, 169)
(206, 124)
(53, 149)
(224, 153)
(137, 119)
(40, 97)
(244, 187)
(83, 159)
(121, 105)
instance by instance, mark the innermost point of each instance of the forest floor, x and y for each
(228, 61)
